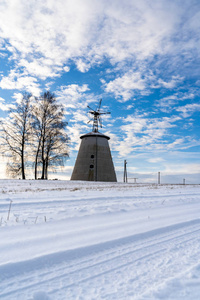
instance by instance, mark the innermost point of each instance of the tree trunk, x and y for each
(43, 161)
(46, 169)
(43, 169)
(23, 168)
(36, 160)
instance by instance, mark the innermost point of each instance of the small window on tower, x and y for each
(92, 156)
(91, 166)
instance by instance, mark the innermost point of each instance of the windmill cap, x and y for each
(93, 133)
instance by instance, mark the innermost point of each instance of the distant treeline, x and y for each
(34, 136)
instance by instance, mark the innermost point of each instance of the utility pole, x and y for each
(158, 177)
(125, 171)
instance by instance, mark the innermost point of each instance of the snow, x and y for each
(87, 240)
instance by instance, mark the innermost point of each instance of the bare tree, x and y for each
(56, 148)
(15, 131)
(50, 138)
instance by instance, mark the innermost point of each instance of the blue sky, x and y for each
(141, 57)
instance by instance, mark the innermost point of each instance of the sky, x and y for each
(142, 58)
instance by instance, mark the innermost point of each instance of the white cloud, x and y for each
(167, 103)
(179, 141)
(155, 160)
(82, 66)
(40, 68)
(127, 86)
(147, 134)
(20, 82)
(18, 97)
(172, 83)
(188, 109)
(74, 133)
(72, 93)
(44, 36)
(132, 29)
(4, 106)
(66, 69)
(187, 168)
(129, 106)
(140, 82)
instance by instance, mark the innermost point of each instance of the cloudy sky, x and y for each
(141, 57)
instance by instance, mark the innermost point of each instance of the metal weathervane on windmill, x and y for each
(97, 116)
(94, 160)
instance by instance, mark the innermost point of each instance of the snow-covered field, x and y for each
(67, 240)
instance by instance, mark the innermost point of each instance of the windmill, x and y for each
(97, 116)
(94, 160)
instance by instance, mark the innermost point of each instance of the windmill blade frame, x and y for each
(90, 107)
(96, 116)
(99, 105)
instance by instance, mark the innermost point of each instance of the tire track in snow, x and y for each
(130, 259)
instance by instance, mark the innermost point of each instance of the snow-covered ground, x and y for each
(67, 240)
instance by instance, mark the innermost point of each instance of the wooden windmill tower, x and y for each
(94, 160)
